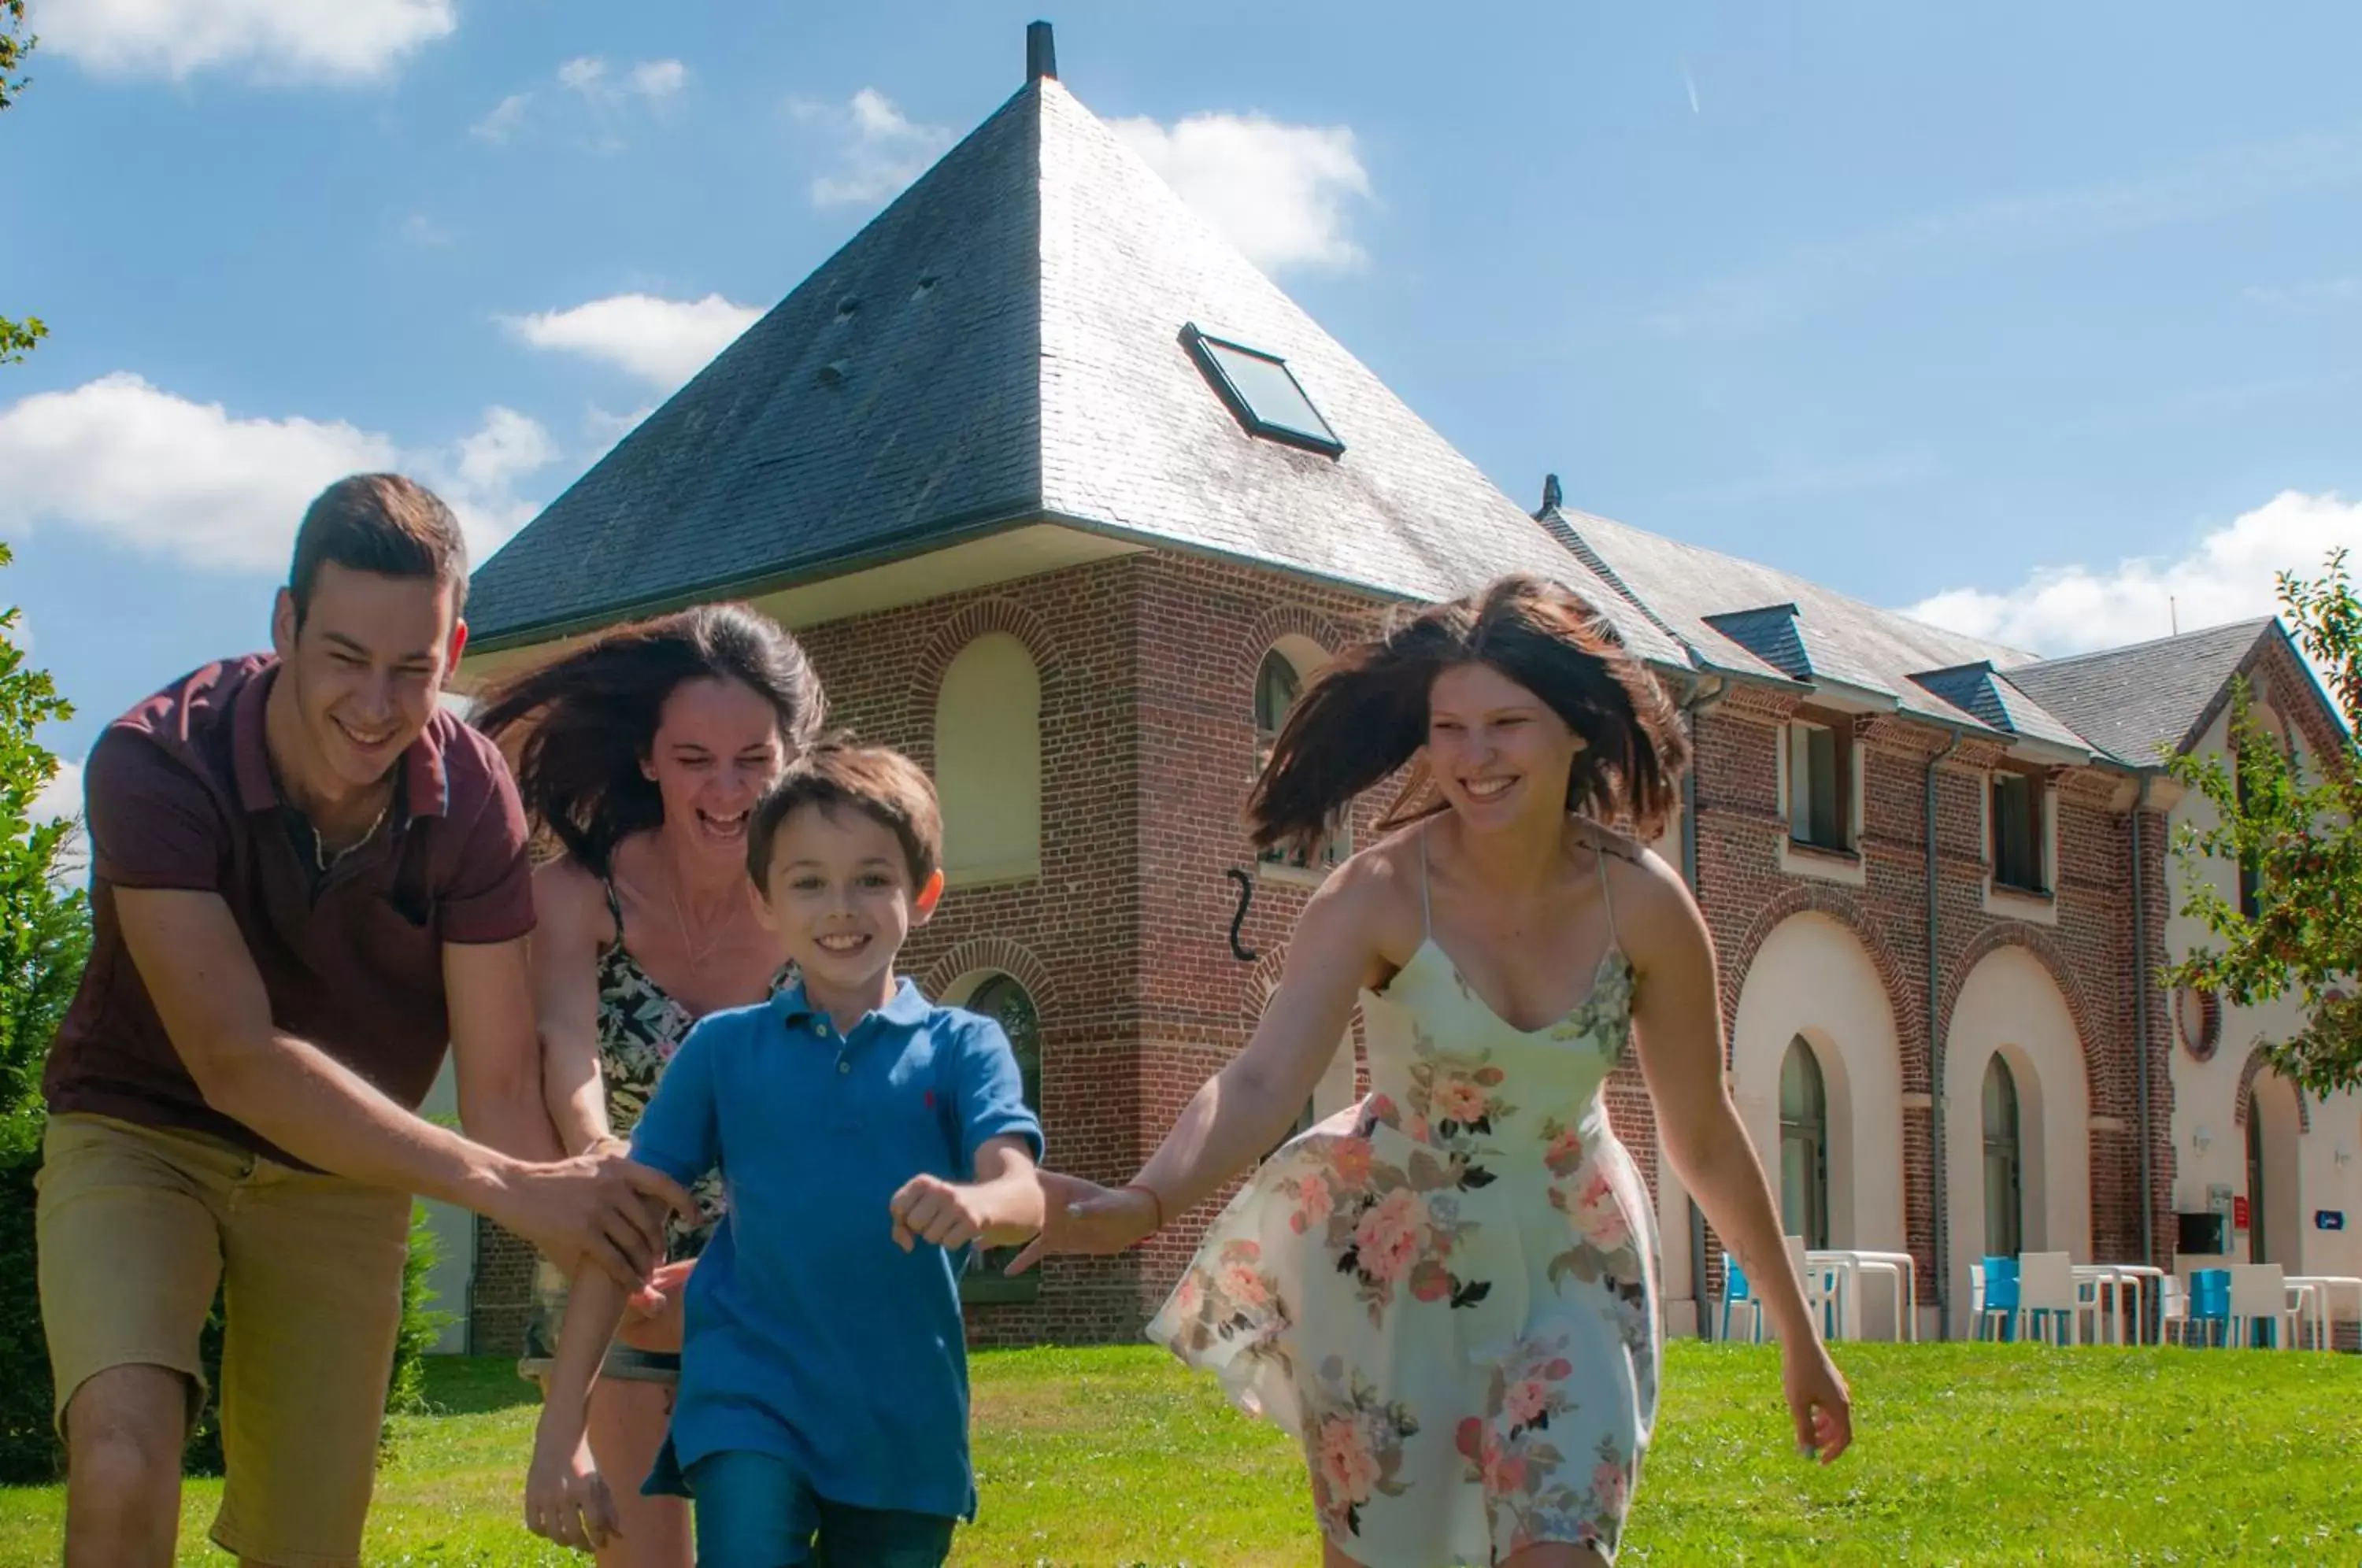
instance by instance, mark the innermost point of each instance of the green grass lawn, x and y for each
(1966, 1453)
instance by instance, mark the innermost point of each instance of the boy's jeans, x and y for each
(756, 1510)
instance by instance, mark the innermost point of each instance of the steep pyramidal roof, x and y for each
(1004, 345)
(1008, 345)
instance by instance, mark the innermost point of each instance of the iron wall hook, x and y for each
(1246, 897)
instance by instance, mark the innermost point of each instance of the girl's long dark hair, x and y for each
(589, 716)
(1365, 715)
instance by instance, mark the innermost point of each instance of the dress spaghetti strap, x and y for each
(615, 909)
(1426, 900)
(1606, 899)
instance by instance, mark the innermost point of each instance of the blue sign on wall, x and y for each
(2329, 1218)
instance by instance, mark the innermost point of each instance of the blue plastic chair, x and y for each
(2210, 1306)
(2000, 1276)
(1736, 1292)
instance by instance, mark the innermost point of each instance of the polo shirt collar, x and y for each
(908, 1009)
(426, 782)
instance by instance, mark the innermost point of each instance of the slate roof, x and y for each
(893, 396)
(1003, 344)
(2141, 702)
(1997, 701)
(1738, 617)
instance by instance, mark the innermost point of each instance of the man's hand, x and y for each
(599, 1207)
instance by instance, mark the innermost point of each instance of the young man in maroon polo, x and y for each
(307, 879)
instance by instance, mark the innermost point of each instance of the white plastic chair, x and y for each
(2049, 1292)
(2259, 1298)
(1824, 1288)
(2173, 1311)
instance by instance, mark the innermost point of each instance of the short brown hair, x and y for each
(882, 784)
(381, 522)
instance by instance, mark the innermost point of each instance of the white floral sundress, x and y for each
(1448, 1293)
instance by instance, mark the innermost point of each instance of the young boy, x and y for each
(867, 1138)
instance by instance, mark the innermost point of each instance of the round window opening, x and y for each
(2199, 1018)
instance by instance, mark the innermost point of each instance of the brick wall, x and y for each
(1148, 664)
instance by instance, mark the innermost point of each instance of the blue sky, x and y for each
(2030, 316)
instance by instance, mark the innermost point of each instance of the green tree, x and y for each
(44, 939)
(16, 337)
(2295, 833)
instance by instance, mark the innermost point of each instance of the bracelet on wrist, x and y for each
(1154, 1201)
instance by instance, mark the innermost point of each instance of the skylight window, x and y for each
(1263, 392)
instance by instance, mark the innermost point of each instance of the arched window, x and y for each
(1007, 1003)
(1277, 686)
(989, 762)
(2259, 1250)
(2005, 1170)
(1804, 1146)
(1279, 681)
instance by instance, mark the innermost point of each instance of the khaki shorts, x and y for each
(136, 1227)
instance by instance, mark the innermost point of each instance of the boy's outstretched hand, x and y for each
(946, 1214)
(567, 1501)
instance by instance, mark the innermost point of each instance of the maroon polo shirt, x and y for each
(181, 794)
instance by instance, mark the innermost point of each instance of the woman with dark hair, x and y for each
(644, 753)
(1448, 1293)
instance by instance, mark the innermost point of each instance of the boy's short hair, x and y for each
(379, 523)
(875, 780)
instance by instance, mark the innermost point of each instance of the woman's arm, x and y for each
(1677, 1016)
(1241, 1112)
(573, 927)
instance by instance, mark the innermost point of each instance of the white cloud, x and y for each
(662, 341)
(881, 150)
(584, 75)
(62, 796)
(605, 429)
(1282, 193)
(506, 119)
(478, 477)
(148, 471)
(60, 800)
(2229, 575)
(652, 81)
(601, 97)
(425, 233)
(657, 80)
(276, 39)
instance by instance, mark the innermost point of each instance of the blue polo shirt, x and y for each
(807, 1333)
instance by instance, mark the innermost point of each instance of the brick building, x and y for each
(1067, 499)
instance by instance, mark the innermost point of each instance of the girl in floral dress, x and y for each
(1447, 1293)
(642, 752)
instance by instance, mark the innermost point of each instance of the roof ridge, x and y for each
(1553, 518)
(1819, 588)
(2256, 627)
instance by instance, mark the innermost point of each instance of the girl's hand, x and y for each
(1084, 1217)
(566, 1498)
(1817, 1399)
(652, 1314)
